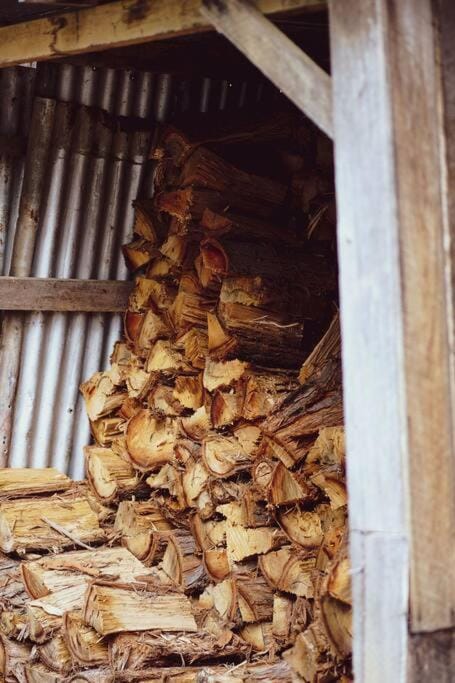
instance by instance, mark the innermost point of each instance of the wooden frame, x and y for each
(120, 23)
(285, 64)
(395, 309)
(47, 294)
(393, 125)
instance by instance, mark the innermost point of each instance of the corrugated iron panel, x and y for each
(93, 173)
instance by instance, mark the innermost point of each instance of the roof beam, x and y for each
(282, 61)
(124, 22)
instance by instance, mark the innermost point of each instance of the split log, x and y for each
(255, 599)
(337, 619)
(149, 327)
(180, 251)
(110, 477)
(223, 374)
(194, 346)
(260, 637)
(148, 223)
(244, 228)
(243, 543)
(289, 571)
(38, 673)
(226, 407)
(101, 395)
(132, 323)
(139, 383)
(270, 673)
(44, 523)
(169, 479)
(13, 623)
(54, 573)
(311, 657)
(112, 609)
(181, 563)
(217, 564)
(45, 615)
(151, 293)
(132, 651)
(254, 195)
(302, 527)
(138, 253)
(194, 481)
(174, 146)
(254, 334)
(196, 426)
(138, 523)
(224, 456)
(161, 401)
(286, 487)
(13, 657)
(189, 391)
(293, 426)
(278, 263)
(24, 481)
(166, 359)
(263, 391)
(150, 441)
(208, 534)
(134, 516)
(106, 429)
(329, 347)
(188, 204)
(83, 642)
(191, 304)
(55, 655)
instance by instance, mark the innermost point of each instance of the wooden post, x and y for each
(394, 265)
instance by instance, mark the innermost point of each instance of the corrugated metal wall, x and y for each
(89, 176)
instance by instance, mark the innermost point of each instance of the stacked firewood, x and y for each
(212, 527)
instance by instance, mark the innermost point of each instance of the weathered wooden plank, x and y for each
(124, 22)
(43, 294)
(282, 61)
(398, 393)
(379, 559)
(432, 657)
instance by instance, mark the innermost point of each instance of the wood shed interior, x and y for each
(207, 540)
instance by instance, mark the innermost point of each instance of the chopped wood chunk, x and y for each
(24, 481)
(83, 642)
(112, 609)
(110, 476)
(32, 523)
(53, 573)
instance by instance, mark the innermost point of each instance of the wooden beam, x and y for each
(393, 259)
(45, 294)
(124, 22)
(284, 63)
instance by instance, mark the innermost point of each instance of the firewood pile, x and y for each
(209, 541)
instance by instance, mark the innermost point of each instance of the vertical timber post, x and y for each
(395, 266)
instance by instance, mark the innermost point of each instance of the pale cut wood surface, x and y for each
(398, 398)
(125, 22)
(284, 63)
(48, 294)
(25, 481)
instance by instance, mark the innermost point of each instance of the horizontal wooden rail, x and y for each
(45, 294)
(125, 22)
